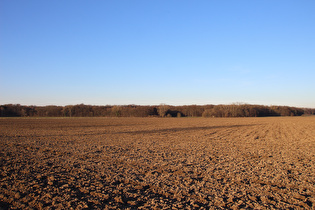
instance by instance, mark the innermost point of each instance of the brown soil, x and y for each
(182, 163)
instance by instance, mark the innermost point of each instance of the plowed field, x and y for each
(147, 163)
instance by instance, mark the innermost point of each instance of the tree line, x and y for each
(163, 110)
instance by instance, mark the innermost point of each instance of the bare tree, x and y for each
(162, 109)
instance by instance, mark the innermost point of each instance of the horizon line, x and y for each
(233, 103)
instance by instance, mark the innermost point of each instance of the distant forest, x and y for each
(81, 110)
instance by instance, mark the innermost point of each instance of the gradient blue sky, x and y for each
(164, 51)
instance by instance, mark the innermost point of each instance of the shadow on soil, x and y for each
(171, 130)
(4, 205)
(166, 130)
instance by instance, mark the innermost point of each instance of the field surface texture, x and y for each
(162, 163)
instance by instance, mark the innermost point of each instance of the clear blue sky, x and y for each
(150, 52)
